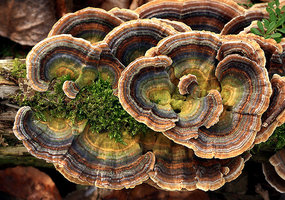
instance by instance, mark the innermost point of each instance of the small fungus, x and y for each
(274, 171)
(66, 55)
(243, 46)
(272, 50)
(278, 161)
(144, 92)
(188, 85)
(124, 14)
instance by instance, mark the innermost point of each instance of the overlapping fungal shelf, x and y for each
(237, 24)
(274, 171)
(92, 158)
(208, 97)
(275, 114)
(91, 24)
(210, 15)
(235, 92)
(62, 55)
(177, 168)
(124, 14)
(132, 39)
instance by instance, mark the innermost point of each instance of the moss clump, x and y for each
(277, 140)
(95, 102)
(19, 69)
(274, 143)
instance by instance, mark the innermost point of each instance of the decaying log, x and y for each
(18, 155)
(12, 152)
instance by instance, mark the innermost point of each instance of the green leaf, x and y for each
(276, 35)
(272, 17)
(277, 3)
(269, 10)
(271, 27)
(283, 19)
(278, 11)
(282, 30)
(283, 8)
(280, 22)
(270, 4)
(266, 23)
(260, 26)
(255, 31)
(277, 40)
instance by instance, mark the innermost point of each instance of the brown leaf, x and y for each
(28, 183)
(26, 21)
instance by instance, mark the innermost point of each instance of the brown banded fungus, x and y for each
(210, 15)
(278, 161)
(274, 171)
(177, 168)
(62, 55)
(65, 55)
(91, 24)
(179, 26)
(275, 114)
(219, 121)
(207, 93)
(132, 39)
(272, 50)
(84, 156)
(237, 24)
(282, 68)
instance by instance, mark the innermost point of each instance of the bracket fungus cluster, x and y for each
(208, 97)
(234, 92)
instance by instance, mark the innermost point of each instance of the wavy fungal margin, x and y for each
(86, 158)
(210, 15)
(91, 24)
(177, 168)
(239, 84)
(132, 102)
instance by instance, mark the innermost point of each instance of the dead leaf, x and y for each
(27, 21)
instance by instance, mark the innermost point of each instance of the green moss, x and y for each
(19, 69)
(95, 102)
(274, 143)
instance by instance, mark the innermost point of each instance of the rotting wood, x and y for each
(8, 63)
(19, 155)
(7, 90)
(7, 87)
(12, 152)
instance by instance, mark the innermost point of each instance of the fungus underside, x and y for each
(95, 103)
